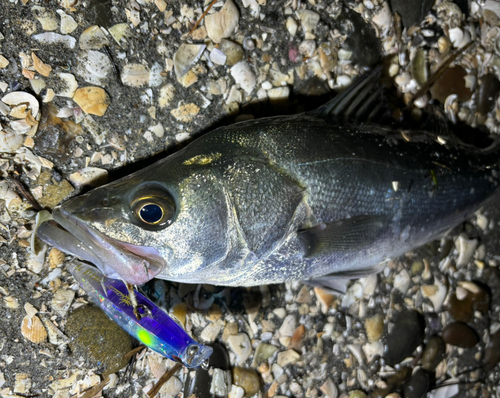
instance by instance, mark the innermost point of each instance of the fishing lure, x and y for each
(154, 328)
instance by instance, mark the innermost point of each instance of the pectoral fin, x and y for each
(341, 236)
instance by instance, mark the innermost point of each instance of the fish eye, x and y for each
(151, 213)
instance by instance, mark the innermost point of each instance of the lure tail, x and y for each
(155, 328)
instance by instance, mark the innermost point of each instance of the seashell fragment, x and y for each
(89, 176)
(70, 85)
(33, 330)
(217, 56)
(222, 24)
(119, 31)
(40, 67)
(37, 85)
(30, 310)
(94, 67)
(21, 97)
(243, 75)
(3, 62)
(291, 26)
(68, 24)
(56, 258)
(135, 75)
(55, 38)
(46, 18)
(22, 383)
(308, 19)
(49, 96)
(93, 38)
(10, 141)
(7, 194)
(93, 100)
(62, 301)
(185, 113)
(166, 95)
(186, 56)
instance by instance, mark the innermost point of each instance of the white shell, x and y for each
(91, 176)
(68, 24)
(21, 97)
(7, 194)
(308, 20)
(10, 141)
(217, 56)
(186, 56)
(243, 75)
(55, 38)
(70, 85)
(291, 26)
(135, 75)
(222, 24)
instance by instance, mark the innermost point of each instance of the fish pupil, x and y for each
(151, 213)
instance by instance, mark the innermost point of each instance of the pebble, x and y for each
(399, 344)
(357, 394)
(324, 298)
(329, 389)
(297, 338)
(287, 357)
(241, 346)
(233, 51)
(93, 335)
(243, 75)
(248, 379)
(374, 327)
(197, 380)
(462, 306)
(263, 352)
(489, 87)
(419, 69)
(433, 353)
(452, 81)
(212, 330)
(185, 113)
(460, 334)
(418, 385)
(492, 353)
(402, 281)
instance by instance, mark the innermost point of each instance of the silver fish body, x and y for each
(277, 199)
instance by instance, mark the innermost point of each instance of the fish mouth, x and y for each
(116, 259)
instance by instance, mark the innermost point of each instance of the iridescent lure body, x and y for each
(155, 328)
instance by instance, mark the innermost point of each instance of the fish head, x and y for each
(170, 218)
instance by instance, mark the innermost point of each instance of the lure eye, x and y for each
(151, 213)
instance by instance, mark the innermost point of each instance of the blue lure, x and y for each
(155, 328)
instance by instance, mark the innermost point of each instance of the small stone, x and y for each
(185, 113)
(248, 379)
(288, 326)
(287, 357)
(452, 81)
(329, 389)
(419, 69)
(374, 327)
(94, 336)
(462, 306)
(357, 394)
(489, 87)
(243, 75)
(242, 347)
(232, 50)
(263, 352)
(433, 353)
(171, 388)
(304, 295)
(400, 345)
(212, 330)
(460, 334)
(220, 382)
(466, 248)
(492, 353)
(418, 385)
(297, 338)
(291, 26)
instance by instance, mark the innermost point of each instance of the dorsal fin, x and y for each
(362, 101)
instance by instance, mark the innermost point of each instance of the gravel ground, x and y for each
(430, 319)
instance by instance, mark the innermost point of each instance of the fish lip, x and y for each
(126, 260)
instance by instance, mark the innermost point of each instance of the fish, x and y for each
(155, 328)
(321, 197)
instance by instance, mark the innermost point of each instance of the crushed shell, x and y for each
(56, 258)
(21, 97)
(222, 24)
(186, 56)
(40, 66)
(30, 310)
(92, 100)
(32, 329)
